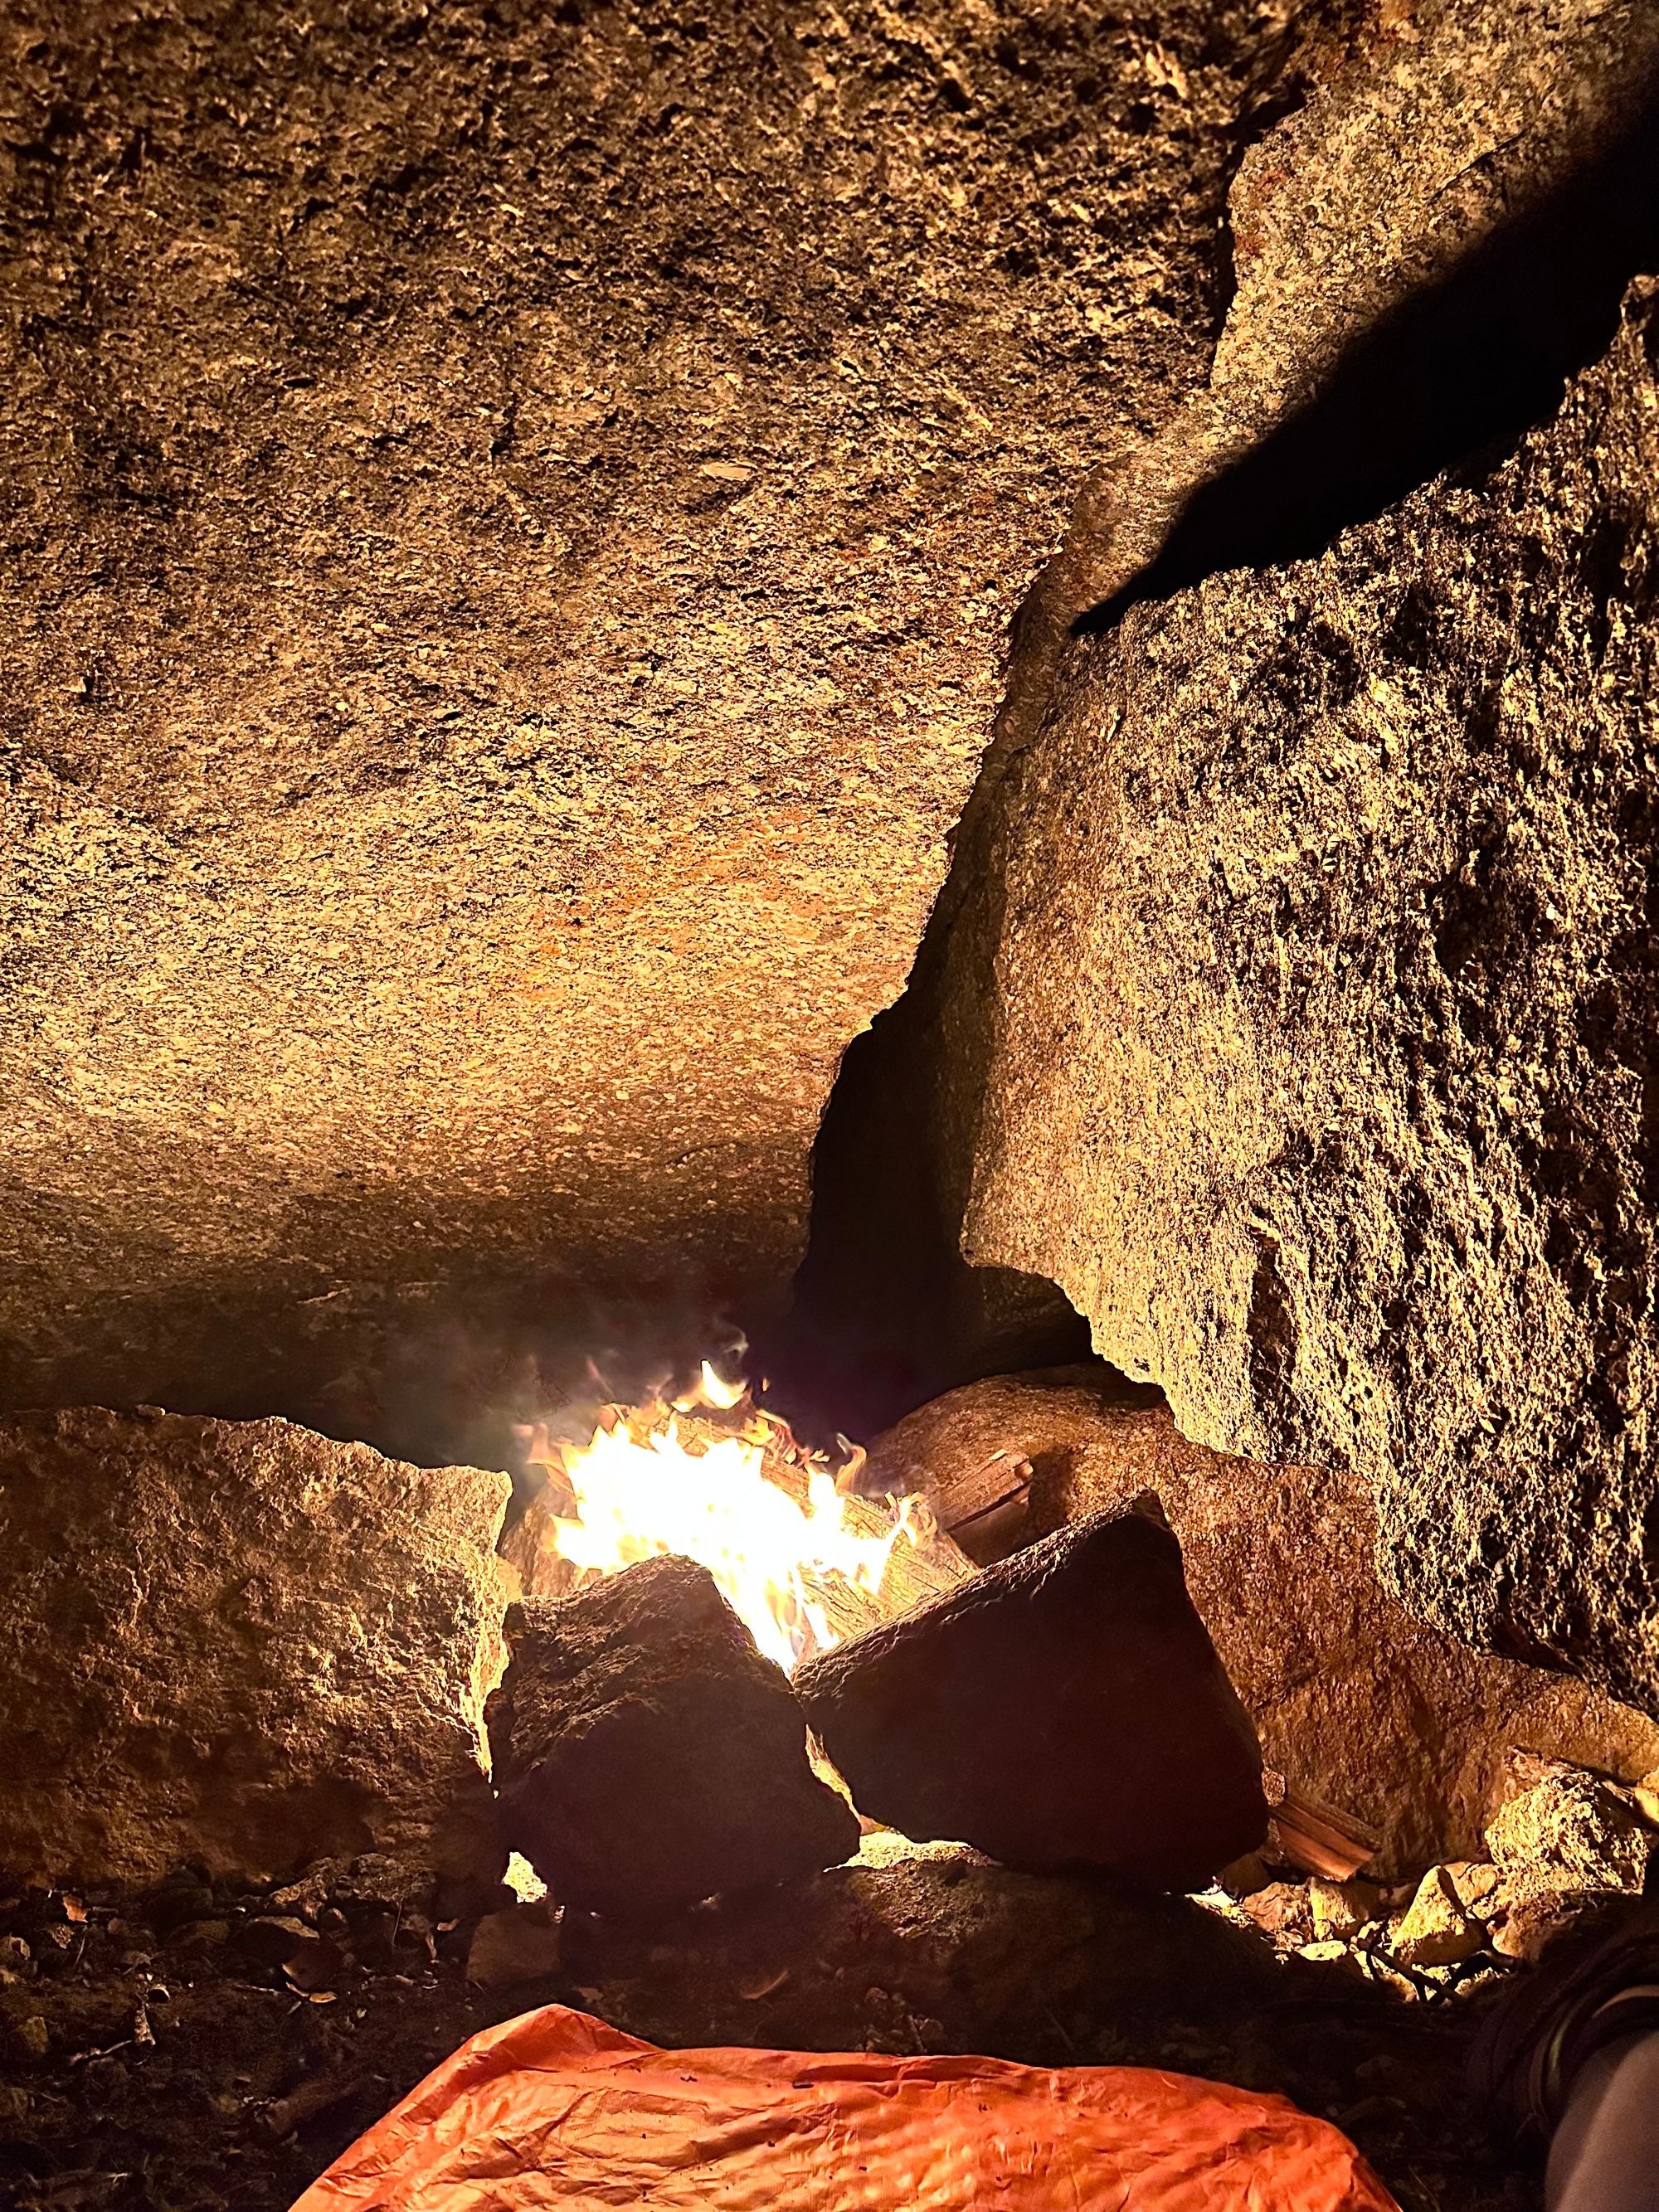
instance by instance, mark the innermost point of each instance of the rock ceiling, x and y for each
(513, 516)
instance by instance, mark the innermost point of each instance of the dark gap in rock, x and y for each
(886, 1313)
(1448, 382)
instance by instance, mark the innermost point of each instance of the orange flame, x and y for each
(799, 1558)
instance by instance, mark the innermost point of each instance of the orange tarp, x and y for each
(555, 2110)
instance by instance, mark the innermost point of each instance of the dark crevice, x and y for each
(1447, 382)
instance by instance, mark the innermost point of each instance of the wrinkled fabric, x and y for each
(555, 2109)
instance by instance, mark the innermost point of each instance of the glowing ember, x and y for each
(714, 1479)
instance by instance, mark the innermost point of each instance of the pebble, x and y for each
(1434, 1930)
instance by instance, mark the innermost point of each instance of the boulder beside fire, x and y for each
(646, 1755)
(1064, 1711)
(240, 1644)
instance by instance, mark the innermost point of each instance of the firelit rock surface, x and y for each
(1064, 1710)
(514, 515)
(646, 1755)
(1292, 1000)
(1392, 239)
(1327, 987)
(1354, 1699)
(240, 1644)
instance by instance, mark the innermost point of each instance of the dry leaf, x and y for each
(765, 1989)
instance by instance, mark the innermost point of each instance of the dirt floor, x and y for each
(209, 2045)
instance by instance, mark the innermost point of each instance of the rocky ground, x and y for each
(200, 2047)
(207, 2042)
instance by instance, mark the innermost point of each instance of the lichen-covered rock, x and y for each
(646, 1755)
(512, 513)
(1353, 1698)
(239, 1643)
(1064, 1710)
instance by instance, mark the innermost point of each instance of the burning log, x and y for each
(1064, 1710)
(647, 1755)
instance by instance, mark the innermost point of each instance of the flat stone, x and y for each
(239, 1645)
(930, 1953)
(646, 1755)
(1064, 1710)
(1354, 1699)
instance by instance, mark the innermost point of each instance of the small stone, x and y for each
(274, 1941)
(511, 1948)
(28, 2039)
(1575, 1831)
(1475, 1884)
(305, 1895)
(1332, 1954)
(1281, 1910)
(1434, 1930)
(379, 1882)
(14, 1956)
(1646, 1794)
(1340, 1909)
(14, 2108)
(171, 1903)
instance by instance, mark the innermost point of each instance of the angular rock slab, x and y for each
(647, 1755)
(1354, 1699)
(1292, 1003)
(1326, 1081)
(239, 1642)
(1065, 1712)
(932, 1950)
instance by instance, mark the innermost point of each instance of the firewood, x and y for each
(1315, 1837)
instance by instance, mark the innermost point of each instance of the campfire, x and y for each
(721, 1645)
(802, 1560)
(1019, 1752)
